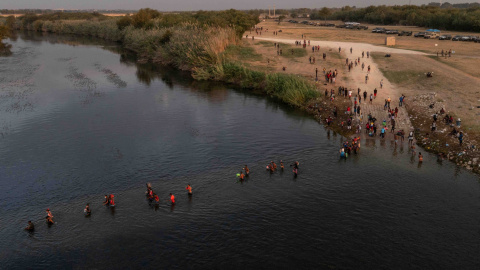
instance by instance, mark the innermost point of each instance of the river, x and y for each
(80, 119)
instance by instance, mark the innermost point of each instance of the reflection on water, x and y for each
(80, 119)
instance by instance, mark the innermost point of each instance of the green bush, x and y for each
(244, 77)
(123, 22)
(290, 89)
(37, 25)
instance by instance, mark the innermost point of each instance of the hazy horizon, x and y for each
(188, 5)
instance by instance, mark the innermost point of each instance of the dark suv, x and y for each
(420, 34)
(445, 37)
(456, 38)
(405, 33)
(391, 32)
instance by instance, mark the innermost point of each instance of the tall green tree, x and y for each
(325, 12)
(143, 18)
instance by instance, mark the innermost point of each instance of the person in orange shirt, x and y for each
(172, 198)
(189, 188)
(242, 176)
(247, 170)
(49, 217)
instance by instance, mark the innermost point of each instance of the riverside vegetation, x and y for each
(5, 32)
(197, 42)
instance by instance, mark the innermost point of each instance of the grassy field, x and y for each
(242, 53)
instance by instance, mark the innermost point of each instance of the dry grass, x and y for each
(290, 30)
(298, 63)
(455, 90)
(16, 15)
(467, 65)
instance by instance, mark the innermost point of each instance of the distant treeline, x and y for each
(425, 16)
(149, 19)
(448, 5)
(49, 11)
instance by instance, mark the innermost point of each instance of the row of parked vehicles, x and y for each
(391, 32)
(346, 25)
(352, 26)
(475, 39)
(428, 35)
(313, 23)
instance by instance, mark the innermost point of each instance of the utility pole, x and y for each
(269, 11)
(273, 10)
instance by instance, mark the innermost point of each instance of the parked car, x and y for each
(391, 32)
(420, 34)
(405, 33)
(431, 35)
(377, 29)
(456, 38)
(326, 24)
(474, 38)
(445, 37)
(305, 22)
(466, 38)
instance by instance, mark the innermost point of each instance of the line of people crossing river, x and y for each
(154, 200)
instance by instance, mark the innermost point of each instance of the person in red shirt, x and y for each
(172, 198)
(111, 201)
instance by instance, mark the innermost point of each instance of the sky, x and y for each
(181, 5)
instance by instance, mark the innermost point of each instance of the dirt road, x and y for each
(356, 77)
(357, 47)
